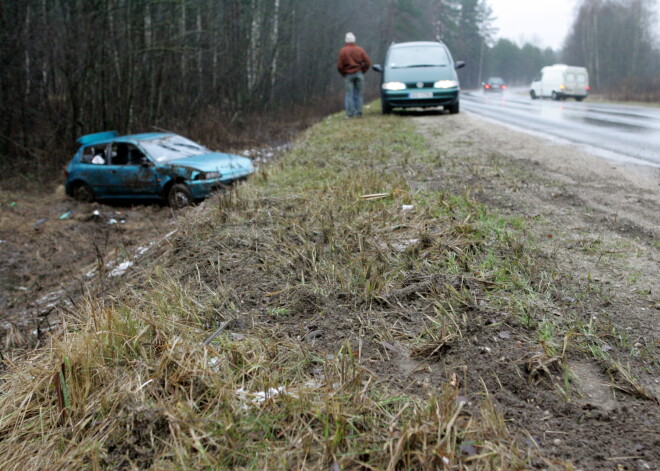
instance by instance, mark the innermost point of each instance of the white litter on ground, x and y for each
(120, 269)
(260, 396)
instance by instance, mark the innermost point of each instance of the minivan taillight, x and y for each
(588, 88)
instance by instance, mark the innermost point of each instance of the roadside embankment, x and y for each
(352, 305)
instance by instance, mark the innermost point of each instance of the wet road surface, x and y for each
(619, 132)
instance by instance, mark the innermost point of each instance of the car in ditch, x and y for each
(159, 166)
(419, 74)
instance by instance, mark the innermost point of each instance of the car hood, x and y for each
(215, 162)
(420, 74)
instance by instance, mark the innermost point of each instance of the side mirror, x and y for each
(377, 67)
(144, 162)
(459, 64)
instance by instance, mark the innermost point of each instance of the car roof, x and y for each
(112, 136)
(417, 44)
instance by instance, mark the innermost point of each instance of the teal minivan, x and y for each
(419, 74)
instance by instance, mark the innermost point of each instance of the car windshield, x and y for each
(418, 56)
(173, 147)
(495, 81)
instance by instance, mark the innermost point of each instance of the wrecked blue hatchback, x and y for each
(162, 166)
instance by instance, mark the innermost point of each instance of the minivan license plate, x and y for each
(421, 95)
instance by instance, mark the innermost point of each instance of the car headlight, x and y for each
(394, 86)
(445, 84)
(208, 175)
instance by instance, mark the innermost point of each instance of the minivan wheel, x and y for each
(454, 109)
(579, 98)
(83, 193)
(385, 107)
(532, 93)
(179, 196)
(555, 96)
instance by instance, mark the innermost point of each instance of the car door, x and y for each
(133, 172)
(93, 169)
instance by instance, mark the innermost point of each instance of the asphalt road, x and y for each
(617, 132)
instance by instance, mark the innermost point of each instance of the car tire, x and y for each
(533, 94)
(179, 196)
(83, 192)
(385, 107)
(579, 98)
(454, 109)
(555, 96)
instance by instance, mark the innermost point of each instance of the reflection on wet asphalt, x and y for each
(619, 132)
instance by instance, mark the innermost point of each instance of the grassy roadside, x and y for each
(342, 310)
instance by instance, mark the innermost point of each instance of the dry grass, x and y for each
(129, 382)
(140, 390)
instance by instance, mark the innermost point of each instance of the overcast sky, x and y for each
(540, 22)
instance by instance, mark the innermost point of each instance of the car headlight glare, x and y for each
(445, 84)
(394, 86)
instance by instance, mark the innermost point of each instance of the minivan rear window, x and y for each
(418, 56)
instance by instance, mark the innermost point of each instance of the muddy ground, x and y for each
(596, 222)
(55, 251)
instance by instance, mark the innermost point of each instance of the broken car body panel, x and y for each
(148, 165)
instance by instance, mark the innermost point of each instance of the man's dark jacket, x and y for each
(352, 59)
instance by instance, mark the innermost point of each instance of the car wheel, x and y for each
(83, 193)
(532, 93)
(179, 196)
(555, 96)
(454, 109)
(579, 98)
(385, 107)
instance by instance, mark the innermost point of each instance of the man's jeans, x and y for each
(354, 87)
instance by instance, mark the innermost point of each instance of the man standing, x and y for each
(352, 64)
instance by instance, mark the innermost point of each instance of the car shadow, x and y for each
(420, 111)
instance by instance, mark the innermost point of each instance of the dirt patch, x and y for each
(56, 249)
(597, 222)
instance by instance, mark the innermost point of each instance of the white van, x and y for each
(561, 81)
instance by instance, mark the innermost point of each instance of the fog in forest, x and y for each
(213, 67)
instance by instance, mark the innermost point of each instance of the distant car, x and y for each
(494, 84)
(161, 166)
(419, 74)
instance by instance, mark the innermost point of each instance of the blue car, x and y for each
(162, 166)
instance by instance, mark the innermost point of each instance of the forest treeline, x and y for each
(617, 41)
(200, 67)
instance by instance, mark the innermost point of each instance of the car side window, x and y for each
(135, 155)
(124, 153)
(94, 155)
